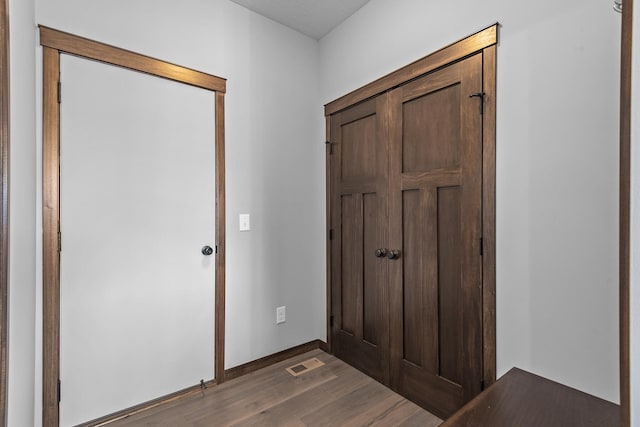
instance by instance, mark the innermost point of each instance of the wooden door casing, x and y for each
(360, 332)
(54, 43)
(435, 222)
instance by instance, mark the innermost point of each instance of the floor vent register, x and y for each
(304, 367)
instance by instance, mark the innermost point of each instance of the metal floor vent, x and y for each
(304, 367)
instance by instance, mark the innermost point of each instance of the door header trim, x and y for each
(445, 56)
(86, 48)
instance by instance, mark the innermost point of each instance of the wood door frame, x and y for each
(54, 43)
(625, 210)
(4, 210)
(484, 41)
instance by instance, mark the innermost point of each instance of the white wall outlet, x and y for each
(245, 222)
(281, 314)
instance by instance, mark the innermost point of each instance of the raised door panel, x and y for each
(435, 222)
(359, 205)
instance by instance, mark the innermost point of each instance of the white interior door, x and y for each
(137, 176)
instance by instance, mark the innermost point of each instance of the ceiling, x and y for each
(314, 18)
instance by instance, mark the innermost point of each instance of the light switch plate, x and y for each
(281, 314)
(245, 222)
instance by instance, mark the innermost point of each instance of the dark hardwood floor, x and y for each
(332, 395)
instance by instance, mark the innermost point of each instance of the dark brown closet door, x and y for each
(359, 216)
(435, 178)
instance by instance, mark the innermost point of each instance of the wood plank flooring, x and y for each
(332, 395)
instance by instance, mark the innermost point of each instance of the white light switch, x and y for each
(281, 314)
(245, 222)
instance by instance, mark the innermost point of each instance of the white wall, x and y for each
(557, 164)
(274, 160)
(634, 319)
(22, 282)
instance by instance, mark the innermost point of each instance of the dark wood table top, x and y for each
(522, 399)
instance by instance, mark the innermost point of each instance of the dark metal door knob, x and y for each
(207, 250)
(380, 253)
(393, 254)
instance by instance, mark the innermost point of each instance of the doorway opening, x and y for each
(411, 179)
(54, 44)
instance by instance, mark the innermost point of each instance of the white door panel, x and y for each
(137, 205)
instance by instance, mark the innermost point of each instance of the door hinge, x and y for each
(59, 241)
(481, 96)
(331, 321)
(481, 385)
(59, 92)
(481, 246)
(331, 234)
(58, 391)
(330, 145)
(216, 248)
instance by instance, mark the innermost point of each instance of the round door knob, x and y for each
(380, 252)
(207, 250)
(393, 254)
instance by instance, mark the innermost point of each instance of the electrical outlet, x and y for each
(281, 314)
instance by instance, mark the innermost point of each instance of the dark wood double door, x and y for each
(406, 207)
